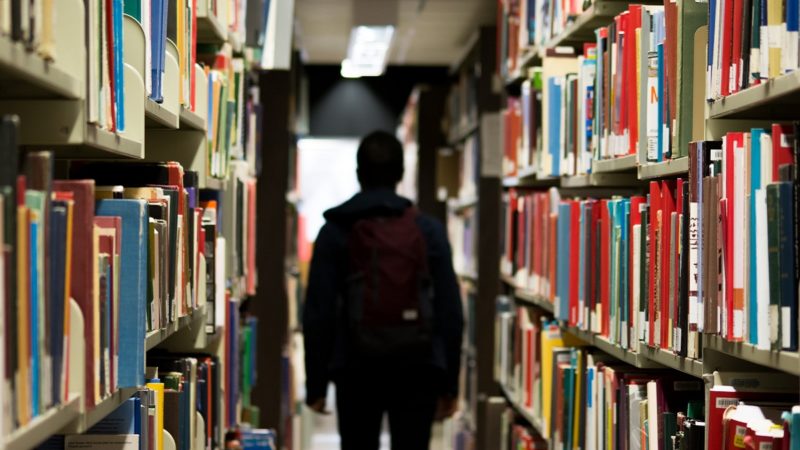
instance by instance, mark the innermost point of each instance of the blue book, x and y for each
(132, 286)
(562, 263)
(34, 319)
(794, 426)
(788, 289)
(755, 184)
(569, 401)
(554, 109)
(122, 420)
(258, 439)
(158, 41)
(58, 266)
(793, 16)
(119, 64)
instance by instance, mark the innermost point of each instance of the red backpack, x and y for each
(389, 294)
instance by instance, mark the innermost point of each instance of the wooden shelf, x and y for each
(44, 426)
(210, 29)
(581, 30)
(106, 406)
(192, 120)
(523, 412)
(665, 169)
(460, 204)
(195, 318)
(778, 98)
(156, 116)
(693, 367)
(780, 360)
(26, 75)
(600, 180)
(620, 164)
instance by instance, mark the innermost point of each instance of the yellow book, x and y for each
(775, 30)
(158, 388)
(23, 381)
(67, 289)
(579, 404)
(552, 338)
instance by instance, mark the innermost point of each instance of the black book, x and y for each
(683, 279)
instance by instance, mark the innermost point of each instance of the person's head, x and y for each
(380, 161)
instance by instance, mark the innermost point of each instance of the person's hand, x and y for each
(318, 406)
(446, 407)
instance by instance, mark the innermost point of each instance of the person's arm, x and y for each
(319, 315)
(448, 306)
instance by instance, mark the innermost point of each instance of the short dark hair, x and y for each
(380, 161)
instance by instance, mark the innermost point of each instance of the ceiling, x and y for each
(429, 32)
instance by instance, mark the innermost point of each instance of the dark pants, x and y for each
(407, 395)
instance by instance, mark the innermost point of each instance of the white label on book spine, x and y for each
(786, 325)
(774, 35)
(774, 321)
(738, 323)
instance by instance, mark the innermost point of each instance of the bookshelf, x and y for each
(777, 98)
(664, 169)
(51, 97)
(699, 349)
(619, 164)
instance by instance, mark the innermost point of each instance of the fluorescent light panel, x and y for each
(367, 51)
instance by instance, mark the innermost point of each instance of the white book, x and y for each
(637, 271)
(652, 414)
(92, 58)
(148, 44)
(762, 271)
(636, 393)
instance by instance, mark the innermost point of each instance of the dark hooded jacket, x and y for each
(325, 347)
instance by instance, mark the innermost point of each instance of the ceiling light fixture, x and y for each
(368, 51)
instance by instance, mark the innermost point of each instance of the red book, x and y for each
(667, 208)
(671, 58)
(634, 23)
(721, 397)
(522, 215)
(510, 222)
(82, 285)
(736, 46)
(624, 68)
(574, 260)
(727, 47)
(528, 390)
(536, 237)
(782, 141)
(605, 269)
(653, 293)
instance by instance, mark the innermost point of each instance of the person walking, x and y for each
(383, 317)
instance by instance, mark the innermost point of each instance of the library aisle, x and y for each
(614, 184)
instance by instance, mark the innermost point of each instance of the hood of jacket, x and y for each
(379, 202)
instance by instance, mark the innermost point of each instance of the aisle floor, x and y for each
(326, 436)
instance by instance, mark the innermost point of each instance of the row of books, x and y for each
(31, 24)
(105, 68)
(710, 253)
(226, 132)
(579, 397)
(526, 25)
(750, 42)
(131, 244)
(619, 97)
(462, 102)
(179, 398)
